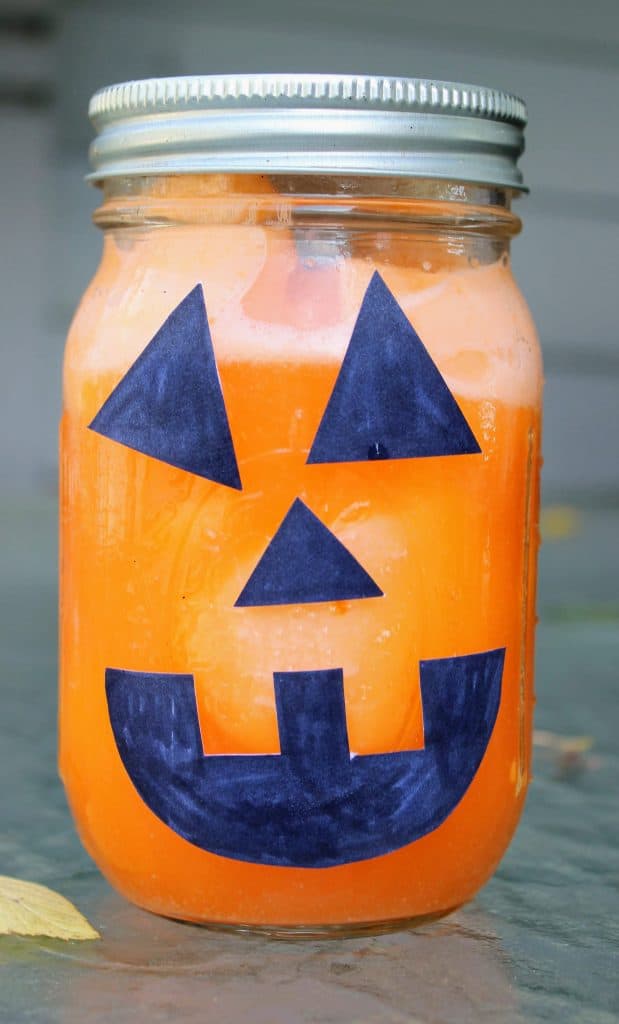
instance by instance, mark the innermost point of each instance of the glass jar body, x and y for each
(204, 738)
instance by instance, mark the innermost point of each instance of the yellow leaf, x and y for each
(563, 744)
(30, 909)
(559, 522)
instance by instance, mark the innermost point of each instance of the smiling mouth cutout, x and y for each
(314, 804)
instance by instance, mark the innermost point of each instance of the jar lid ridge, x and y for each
(308, 124)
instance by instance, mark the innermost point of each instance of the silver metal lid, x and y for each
(308, 124)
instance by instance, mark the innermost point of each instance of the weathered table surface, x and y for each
(540, 943)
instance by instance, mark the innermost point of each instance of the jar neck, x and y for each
(288, 199)
(464, 222)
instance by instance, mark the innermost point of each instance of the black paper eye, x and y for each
(389, 400)
(170, 405)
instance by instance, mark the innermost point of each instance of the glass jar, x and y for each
(300, 459)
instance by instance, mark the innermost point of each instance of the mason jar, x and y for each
(300, 460)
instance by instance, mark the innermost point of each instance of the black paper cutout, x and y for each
(170, 405)
(305, 562)
(314, 805)
(389, 400)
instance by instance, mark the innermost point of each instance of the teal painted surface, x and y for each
(540, 943)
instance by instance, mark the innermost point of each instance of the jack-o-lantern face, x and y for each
(315, 804)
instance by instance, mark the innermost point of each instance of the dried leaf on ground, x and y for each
(27, 908)
(570, 753)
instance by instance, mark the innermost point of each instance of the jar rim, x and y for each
(308, 124)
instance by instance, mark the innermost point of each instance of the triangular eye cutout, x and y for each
(389, 400)
(304, 563)
(170, 405)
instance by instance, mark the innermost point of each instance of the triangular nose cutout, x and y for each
(304, 563)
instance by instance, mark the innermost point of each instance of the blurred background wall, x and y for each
(560, 56)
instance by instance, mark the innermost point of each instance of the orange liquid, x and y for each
(154, 559)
